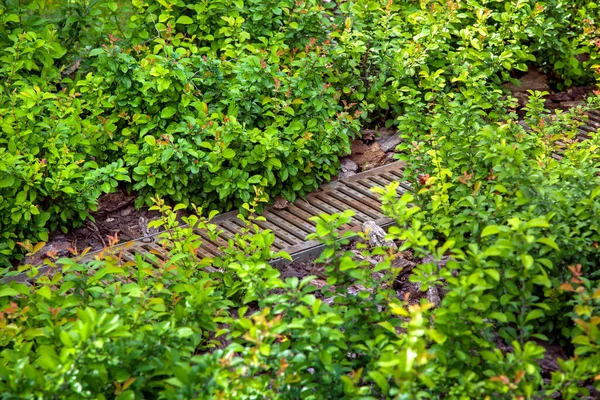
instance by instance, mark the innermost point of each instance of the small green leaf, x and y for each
(549, 242)
(228, 153)
(490, 230)
(184, 20)
(527, 260)
(275, 163)
(168, 112)
(150, 140)
(534, 314)
(45, 292)
(595, 193)
(254, 179)
(498, 316)
(7, 291)
(539, 222)
(95, 52)
(495, 275)
(380, 380)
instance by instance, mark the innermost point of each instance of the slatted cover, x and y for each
(291, 224)
(590, 125)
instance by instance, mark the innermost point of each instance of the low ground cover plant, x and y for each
(224, 104)
(178, 326)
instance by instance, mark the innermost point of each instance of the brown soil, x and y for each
(116, 216)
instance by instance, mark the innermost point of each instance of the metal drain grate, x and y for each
(590, 125)
(291, 224)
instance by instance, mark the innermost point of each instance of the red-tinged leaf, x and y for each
(519, 375)
(502, 378)
(582, 324)
(128, 383)
(567, 287)
(38, 246)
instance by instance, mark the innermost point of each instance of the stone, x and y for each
(560, 97)
(570, 104)
(376, 235)
(358, 147)
(369, 134)
(127, 212)
(433, 295)
(345, 174)
(280, 203)
(347, 168)
(145, 230)
(532, 80)
(389, 140)
(347, 165)
(367, 156)
(57, 248)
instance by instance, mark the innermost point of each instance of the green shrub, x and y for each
(230, 103)
(204, 131)
(48, 177)
(200, 101)
(176, 327)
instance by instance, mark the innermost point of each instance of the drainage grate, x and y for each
(591, 125)
(291, 224)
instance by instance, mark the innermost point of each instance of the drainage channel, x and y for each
(291, 224)
(590, 126)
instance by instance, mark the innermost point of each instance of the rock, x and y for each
(401, 262)
(347, 165)
(376, 235)
(344, 174)
(533, 80)
(433, 295)
(431, 259)
(553, 352)
(367, 156)
(347, 168)
(389, 140)
(58, 248)
(280, 203)
(358, 147)
(522, 98)
(570, 104)
(127, 212)
(369, 134)
(145, 230)
(560, 97)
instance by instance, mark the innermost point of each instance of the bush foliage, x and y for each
(228, 103)
(197, 102)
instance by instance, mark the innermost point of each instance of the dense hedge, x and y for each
(229, 103)
(200, 101)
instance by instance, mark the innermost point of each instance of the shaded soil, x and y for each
(116, 217)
